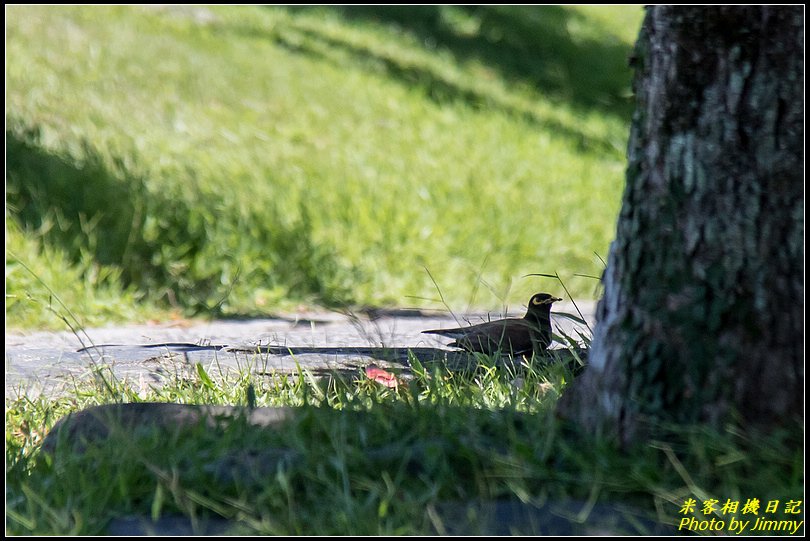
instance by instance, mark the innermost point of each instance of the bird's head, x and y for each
(542, 299)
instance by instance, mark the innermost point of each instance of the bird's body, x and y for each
(530, 333)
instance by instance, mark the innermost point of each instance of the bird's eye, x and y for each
(536, 301)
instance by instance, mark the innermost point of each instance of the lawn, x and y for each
(361, 458)
(241, 161)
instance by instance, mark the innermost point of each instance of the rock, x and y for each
(95, 424)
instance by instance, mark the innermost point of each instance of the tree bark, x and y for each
(702, 313)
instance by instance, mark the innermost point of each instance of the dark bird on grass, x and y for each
(530, 333)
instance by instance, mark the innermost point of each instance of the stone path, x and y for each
(47, 362)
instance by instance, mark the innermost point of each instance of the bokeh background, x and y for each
(244, 161)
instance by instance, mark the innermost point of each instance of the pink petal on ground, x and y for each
(381, 376)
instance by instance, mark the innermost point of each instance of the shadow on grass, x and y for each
(80, 206)
(172, 241)
(438, 87)
(448, 457)
(524, 44)
(89, 208)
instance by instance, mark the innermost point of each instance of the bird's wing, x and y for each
(482, 329)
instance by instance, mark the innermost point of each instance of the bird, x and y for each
(530, 333)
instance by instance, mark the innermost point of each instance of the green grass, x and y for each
(235, 161)
(381, 461)
(89, 294)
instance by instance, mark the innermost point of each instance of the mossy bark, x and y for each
(702, 313)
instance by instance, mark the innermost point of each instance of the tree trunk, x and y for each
(702, 313)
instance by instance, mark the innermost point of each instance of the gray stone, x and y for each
(513, 517)
(168, 526)
(97, 423)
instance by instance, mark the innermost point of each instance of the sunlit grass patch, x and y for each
(241, 161)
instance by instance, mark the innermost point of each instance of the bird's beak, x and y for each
(554, 299)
